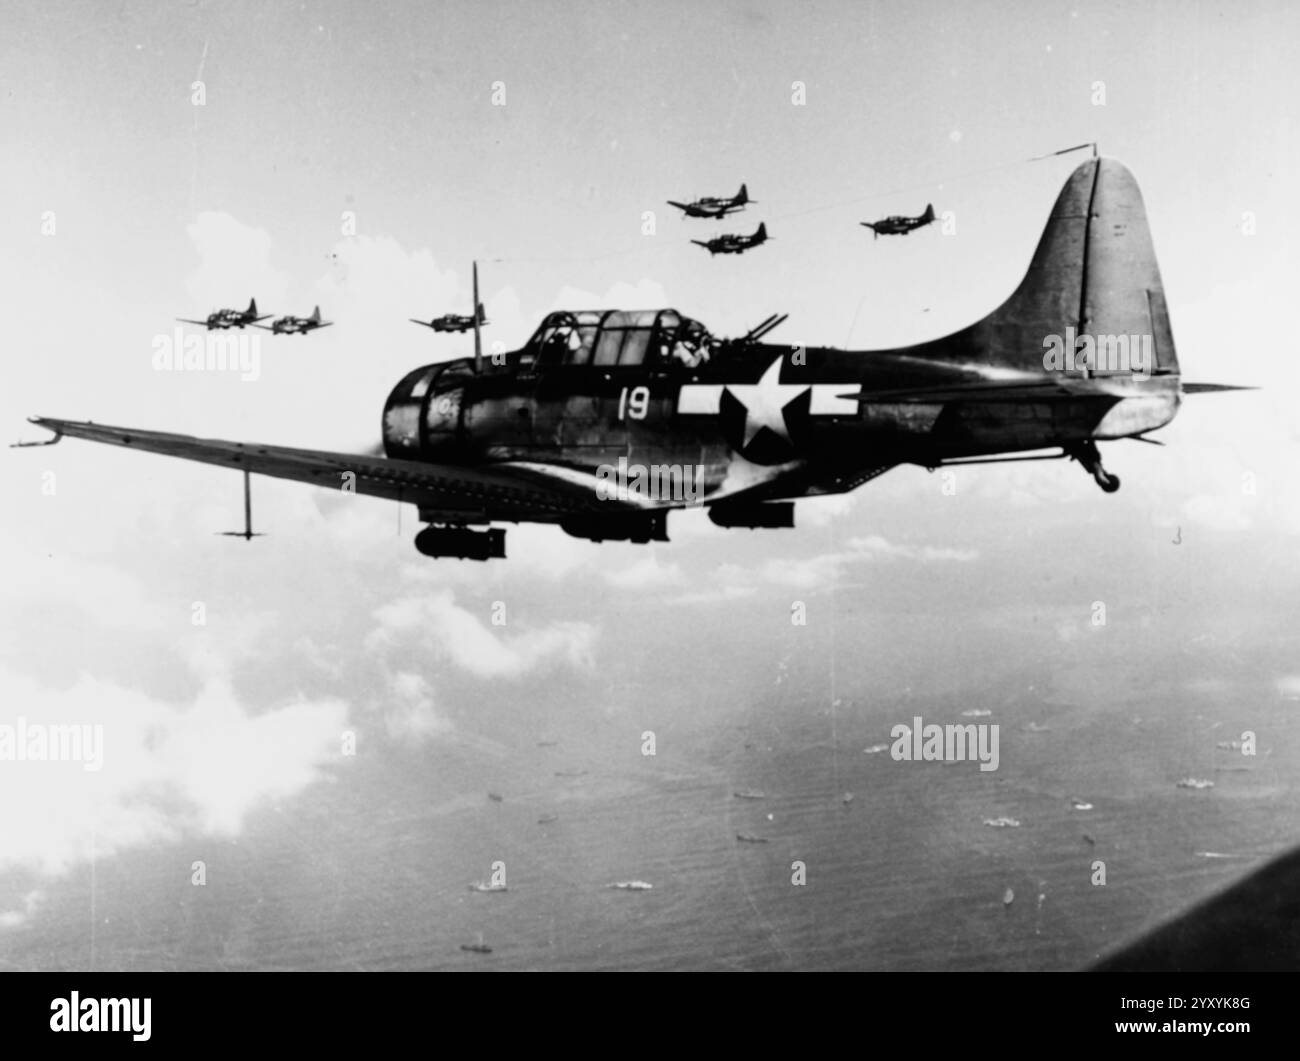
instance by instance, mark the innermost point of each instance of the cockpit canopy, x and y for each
(618, 337)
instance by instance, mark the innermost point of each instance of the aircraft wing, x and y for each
(186, 320)
(444, 490)
(1253, 926)
(425, 324)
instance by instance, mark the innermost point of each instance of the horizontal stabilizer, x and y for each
(1213, 388)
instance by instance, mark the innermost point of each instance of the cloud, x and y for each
(167, 768)
(713, 596)
(875, 547)
(235, 265)
(30, 901)
(409, 710)
(445, 629)
(646, 573)
(822, 510)
(815, 573)
(645, 294)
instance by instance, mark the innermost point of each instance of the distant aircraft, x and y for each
(899, 225)
(230, 318)
(743, 427)
(733, 244)
(289, 325)
(453, 322)
(715, 207)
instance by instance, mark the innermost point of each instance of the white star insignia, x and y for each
(765, 402)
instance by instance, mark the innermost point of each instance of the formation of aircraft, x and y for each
(289, 325)
(899, 225)
(718, 208)
(453, 322)
(223, 319)
(715, 207)
(734, 244)
(742, 426)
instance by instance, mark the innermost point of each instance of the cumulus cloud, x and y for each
(714, 596)
(823, 510)
(17, 916)
(167, 768)
(445, 629)
(410, 711)
(646, 573)
(815, 572)
(235, 264)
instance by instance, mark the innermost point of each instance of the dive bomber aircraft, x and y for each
(454, 322)
(898, 225)
(714, 207)
(291, 325)
(223, 319)
(733, 244)
(531, 436)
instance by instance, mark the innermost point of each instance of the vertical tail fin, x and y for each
(1094, 273)
(929, 212)
(762, 230)
(252, 307)
(315, 314)
(743, 197)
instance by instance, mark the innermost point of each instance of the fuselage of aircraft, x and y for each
(715, 207)
(899, 225)
(605, 421)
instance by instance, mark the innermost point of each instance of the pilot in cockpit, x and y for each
(691, 346)
(557, 342)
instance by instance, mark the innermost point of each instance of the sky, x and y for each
(161, 162)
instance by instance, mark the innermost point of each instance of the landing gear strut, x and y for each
(1086, 454)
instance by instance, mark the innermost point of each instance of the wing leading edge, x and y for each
(443, 492)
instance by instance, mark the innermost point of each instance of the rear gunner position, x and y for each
(472, 443)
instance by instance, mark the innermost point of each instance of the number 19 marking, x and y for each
(635, 405)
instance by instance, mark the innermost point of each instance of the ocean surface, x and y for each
(370, 866)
